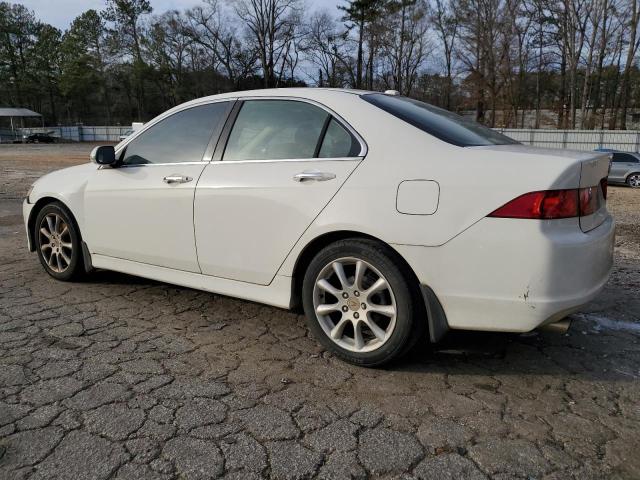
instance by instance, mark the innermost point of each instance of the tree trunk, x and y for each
(360, 52)
(626, 87)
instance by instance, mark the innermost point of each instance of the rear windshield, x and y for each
(443, 124)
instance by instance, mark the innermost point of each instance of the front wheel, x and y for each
(359, 303)
(57, 242)
(633, 180)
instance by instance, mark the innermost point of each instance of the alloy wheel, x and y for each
(354, 304)
(55, 242)
(634, 180)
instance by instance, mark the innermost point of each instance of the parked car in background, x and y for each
(125, 134)
(39, 137)
(382, 216)
(625, 168)
(135, 126)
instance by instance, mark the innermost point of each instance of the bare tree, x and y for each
(576, 16)
(576, 60)
(405, 43)
(446, 27)
(632, 50)
(127, 35)
(213, 29)
(272, 26)
(482, 51)
(323, 47)
(168, 48)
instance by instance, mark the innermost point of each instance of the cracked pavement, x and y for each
(126, 378)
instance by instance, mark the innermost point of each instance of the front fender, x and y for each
(66, 186)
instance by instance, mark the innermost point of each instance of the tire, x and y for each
(633, 180)
(61, 253)
(389, 319)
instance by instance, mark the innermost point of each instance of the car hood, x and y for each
(63, 182)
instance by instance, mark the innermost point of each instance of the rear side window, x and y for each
(275, 130)
(442, 124)
(181, 137)
(624, 158)
(338, 142)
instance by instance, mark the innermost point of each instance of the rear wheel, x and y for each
(633, 180)
(57, 242)
(359, 303)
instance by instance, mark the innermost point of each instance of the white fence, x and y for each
(82, 133)
(7, 135)
(626, 140)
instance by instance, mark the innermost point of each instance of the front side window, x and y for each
(275, 129)
(181, 137)
(442, 124)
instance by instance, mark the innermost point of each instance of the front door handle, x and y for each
(314, 175)
(173, 179)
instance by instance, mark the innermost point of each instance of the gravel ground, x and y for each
(121, 377)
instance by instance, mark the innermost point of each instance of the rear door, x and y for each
(284, 160)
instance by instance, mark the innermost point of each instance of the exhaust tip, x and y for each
(561, 326)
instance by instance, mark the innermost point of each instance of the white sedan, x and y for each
(387, 219)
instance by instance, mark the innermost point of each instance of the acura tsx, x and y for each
(386, 219)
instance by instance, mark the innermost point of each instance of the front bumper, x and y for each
(515, 275)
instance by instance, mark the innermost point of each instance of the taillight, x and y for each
(541, 205)
(589, 200)
(551, 204)
(603, 186)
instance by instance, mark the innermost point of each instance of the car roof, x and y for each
(319, 94)
(613, 150)
(305, 92)
(312, 93)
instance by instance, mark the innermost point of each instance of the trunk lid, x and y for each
(584, 170)
(594, 172)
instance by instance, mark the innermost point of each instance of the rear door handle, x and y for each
(314, 175)
(172, 179)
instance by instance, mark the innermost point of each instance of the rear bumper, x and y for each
(515, 275)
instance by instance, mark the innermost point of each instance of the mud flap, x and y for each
(436, 318)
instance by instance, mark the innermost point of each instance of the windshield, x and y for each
(443, 124)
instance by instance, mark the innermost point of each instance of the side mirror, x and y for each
(104, 155)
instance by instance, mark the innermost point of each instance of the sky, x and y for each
(60, 13)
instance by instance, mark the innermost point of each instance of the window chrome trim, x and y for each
(153, 165)
(288, 160)
(364, 148)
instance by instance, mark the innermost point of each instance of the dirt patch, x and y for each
(624, 204)
(41, 156)
(23, 164)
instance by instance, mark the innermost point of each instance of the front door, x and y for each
(142, 210)
(284, 161)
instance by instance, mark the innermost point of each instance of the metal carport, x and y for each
(20, 113)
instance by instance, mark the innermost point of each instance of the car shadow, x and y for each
(583, 352)
(107, 277)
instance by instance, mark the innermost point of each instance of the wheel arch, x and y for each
(632, 172)
(432, 309)
(37, 207)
